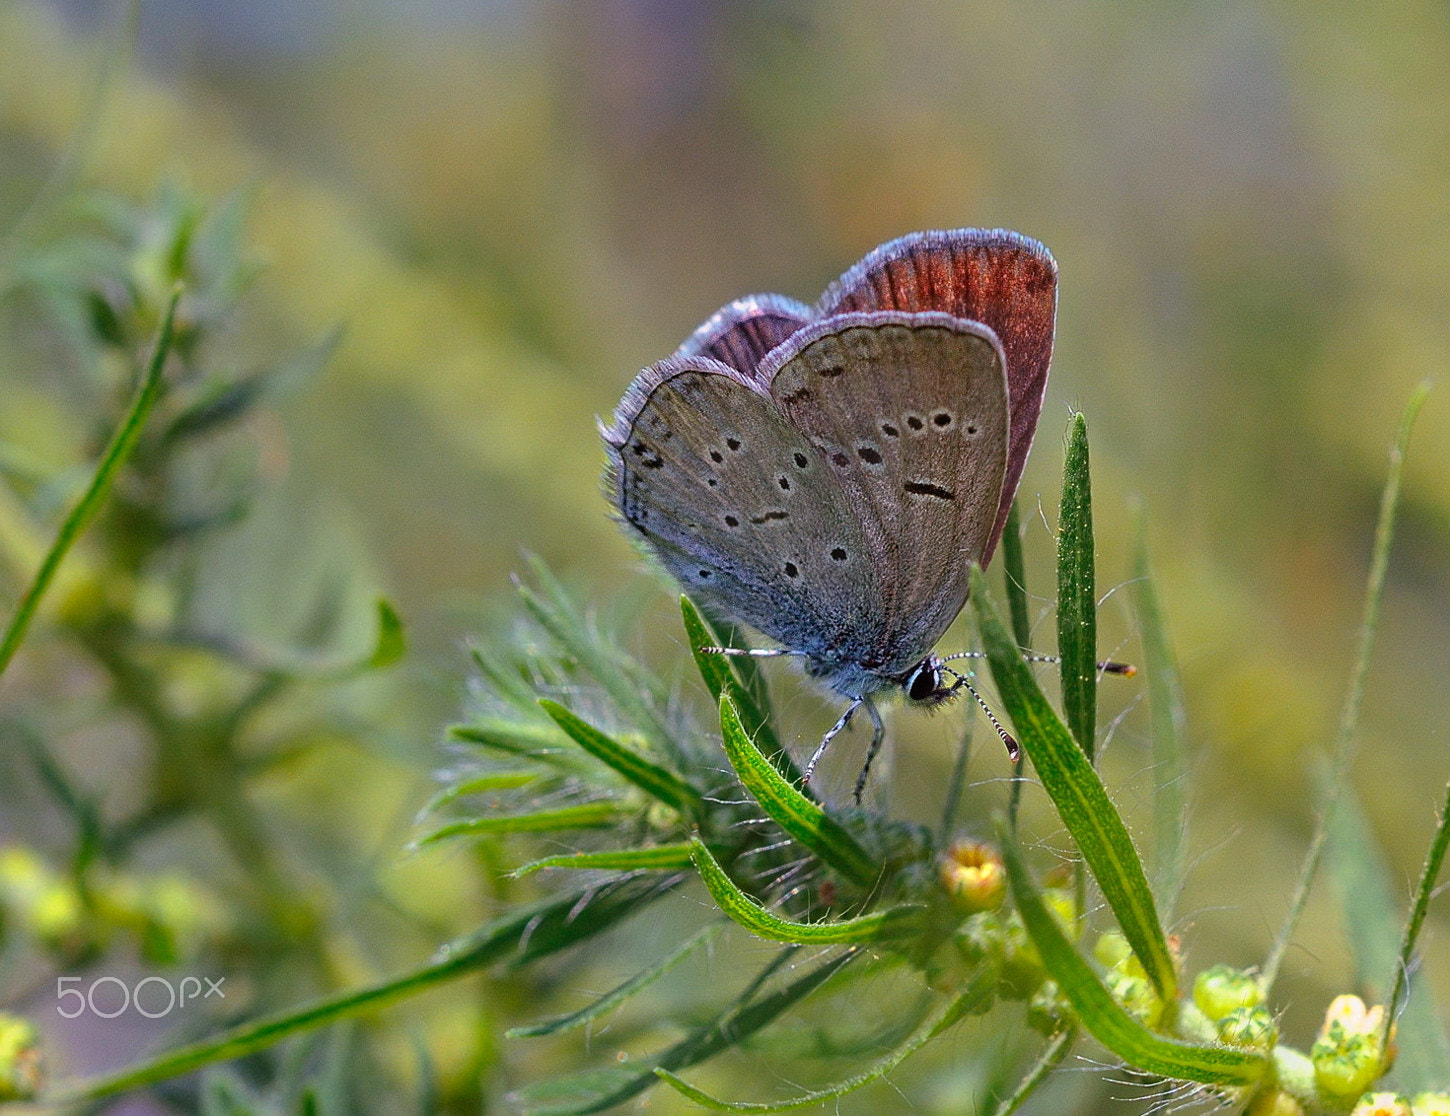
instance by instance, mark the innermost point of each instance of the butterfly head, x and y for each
(926, 683)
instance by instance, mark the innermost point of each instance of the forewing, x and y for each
(741, 508)
(910, 413)
(1001, 278)
(742, 332)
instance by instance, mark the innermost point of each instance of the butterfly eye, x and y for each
(924, 682)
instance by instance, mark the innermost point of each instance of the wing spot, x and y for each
(704, 575)
(869, 454)
(766, 517)
(839, 554)
(942, 419)
(731, 521)
(800, 395)
(784, 483)
(972, 430)
(792, 570)
(889, 430)
(915, 422)
(713, 483)
(734, 444)
(716, 456)
(801, 461)
(831, 371)
(841, 460)
(922, 488)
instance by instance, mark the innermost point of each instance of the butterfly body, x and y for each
(828, 476)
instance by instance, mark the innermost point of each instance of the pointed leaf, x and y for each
(1424, 1056)
(588, 815)
(1170, 760)
(978, 992)
(123, 441)
(656, 858)
(619, 994)
(1344, 739)
(1078, 793)
(658, 782)
(629, 687)
(742, 909)
(1015, 574)
(1077, 606)
(722, 675)
(1101, 1015)
(801, 818)
(743, 1018)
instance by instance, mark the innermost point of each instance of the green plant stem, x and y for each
(121, 445)
(1354, 695)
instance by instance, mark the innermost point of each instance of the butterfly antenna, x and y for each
(1107, 666)
(1014, 750)
(752, 652)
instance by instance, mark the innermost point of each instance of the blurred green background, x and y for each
(511, 207)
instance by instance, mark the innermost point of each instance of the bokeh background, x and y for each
(512, 206)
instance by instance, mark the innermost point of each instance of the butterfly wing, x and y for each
(741, 508)
(910, 413)
(1001, 278)
(742, 332)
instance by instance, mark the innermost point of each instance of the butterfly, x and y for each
(828, 475)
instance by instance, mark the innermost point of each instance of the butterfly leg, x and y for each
(831, 734)
(878, 734)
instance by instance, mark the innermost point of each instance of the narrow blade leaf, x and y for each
(801, 818)
(1170, 761)
(1077, 606)
(977, 993)
(743, 1018)
(1078, 793)
(1101, 1015)
(653, 859)
(123, 441)
(722, 674)
(658, 782)
(760, 922)
(588, 815)
(616, 996)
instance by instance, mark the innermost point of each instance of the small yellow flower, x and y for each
(1382, 1104)
(973, 876)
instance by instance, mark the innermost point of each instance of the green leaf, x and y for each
(619, 994)
(1343, 750)
(522, 936)
(596, 1092)
(1015, 575)
(801, 818)
(1078, 793)
(656, 781)
(653, 859)
(123, 442)
(628, 686)
(977, 993)
(588, 815)
(1101, 1015)
(891, 923)
(722, 674)
(1077, 606)
(1424, 1058)
(1170, 759)
(1051, 1057)
(391, 644)
(483, 784)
